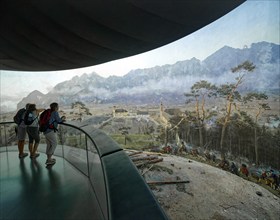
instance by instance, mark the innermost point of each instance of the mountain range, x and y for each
(168, 83)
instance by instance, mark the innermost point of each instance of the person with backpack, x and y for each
(31, 120)
(50, 132)
(21, 130)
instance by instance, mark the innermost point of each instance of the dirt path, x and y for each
(212, 193)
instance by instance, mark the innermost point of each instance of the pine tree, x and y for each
(257, 102)
(199, 92)
(231, 94)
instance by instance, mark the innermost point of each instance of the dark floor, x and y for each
(29, 190)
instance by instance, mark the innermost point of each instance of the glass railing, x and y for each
(8, 136)
(79, 149)
(119, 188)
(75, 146)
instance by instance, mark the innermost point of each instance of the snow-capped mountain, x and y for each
(169, 82)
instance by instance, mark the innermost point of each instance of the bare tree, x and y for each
(82, 108)
(124, 132)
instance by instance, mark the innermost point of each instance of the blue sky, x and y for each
(253, 21)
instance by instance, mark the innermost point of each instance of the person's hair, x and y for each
(53, 106)
(31, 107)
(27, 105)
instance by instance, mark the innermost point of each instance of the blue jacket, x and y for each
(55, 120)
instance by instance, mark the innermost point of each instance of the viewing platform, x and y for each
(92, 178)
(29, 190)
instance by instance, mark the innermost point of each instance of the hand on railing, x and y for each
(63, 118)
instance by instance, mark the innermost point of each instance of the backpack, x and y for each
(28, 118)
(44, 120)
(18, 118)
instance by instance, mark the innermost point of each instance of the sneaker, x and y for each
(34, 156)
(23, 155)
(50, 162)
(52, 159)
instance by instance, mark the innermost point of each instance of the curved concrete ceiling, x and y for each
(44, 35)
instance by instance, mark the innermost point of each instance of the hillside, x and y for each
(211, 193)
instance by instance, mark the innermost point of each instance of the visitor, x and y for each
(32, 129)
(21, 131)
(50, 133)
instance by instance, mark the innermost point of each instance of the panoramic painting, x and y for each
(199, 117)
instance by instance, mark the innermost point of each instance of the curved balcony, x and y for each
(93, 178)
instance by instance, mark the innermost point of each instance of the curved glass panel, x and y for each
(74, 145)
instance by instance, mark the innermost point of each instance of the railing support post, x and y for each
(87, 156)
